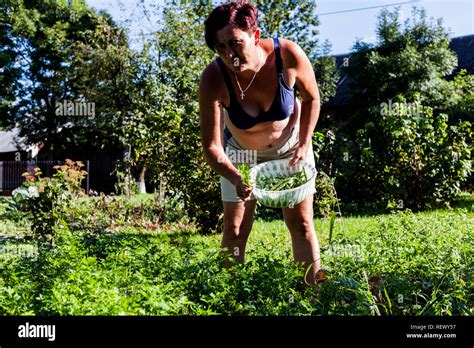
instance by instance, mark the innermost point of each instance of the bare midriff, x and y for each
(264, 135)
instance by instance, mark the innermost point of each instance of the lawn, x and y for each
(395, 264)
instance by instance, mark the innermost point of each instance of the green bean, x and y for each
(280, 183)
(244, 170)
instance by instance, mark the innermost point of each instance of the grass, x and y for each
(395, 264)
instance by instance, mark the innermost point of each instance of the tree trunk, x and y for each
(126, 158)
(141, 180)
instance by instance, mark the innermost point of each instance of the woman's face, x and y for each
(237, 48)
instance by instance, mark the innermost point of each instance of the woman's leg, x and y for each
(238, 220)
(299, 221)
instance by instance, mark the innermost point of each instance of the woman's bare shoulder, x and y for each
(291, 53)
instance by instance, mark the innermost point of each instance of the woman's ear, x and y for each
(257, 36)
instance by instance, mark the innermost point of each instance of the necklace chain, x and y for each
(242, 92)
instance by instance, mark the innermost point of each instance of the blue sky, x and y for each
(341, 21)
(342, 29)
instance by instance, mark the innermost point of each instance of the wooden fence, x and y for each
(11, 173)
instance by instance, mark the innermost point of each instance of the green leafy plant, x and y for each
(410, 142)
(396, 264)
(325, 198)
(244, 170)
(47, 201)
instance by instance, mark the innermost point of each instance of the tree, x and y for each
(107, 72)
(145, 100)
(9, 70)
(184, 170)
(402, 143)
(48, 37)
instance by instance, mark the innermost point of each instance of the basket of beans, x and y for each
(276, 185)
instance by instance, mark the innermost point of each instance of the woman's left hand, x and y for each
(299, 155)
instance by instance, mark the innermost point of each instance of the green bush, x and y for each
(47, 201)
(404, 141)
(325, 199)
(404, 157)
(415, 160)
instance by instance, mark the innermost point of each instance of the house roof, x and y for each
(10, 142)
(7, 143)
(342, 88)
(463, 46)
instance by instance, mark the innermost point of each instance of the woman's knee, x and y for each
(232, 228)
(301, 228)
(238, 220)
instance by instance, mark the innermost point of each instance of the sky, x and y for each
(342, 28)
(342, 22)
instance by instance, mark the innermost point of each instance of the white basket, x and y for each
(285, 198)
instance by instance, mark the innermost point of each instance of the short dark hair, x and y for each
(241, 13)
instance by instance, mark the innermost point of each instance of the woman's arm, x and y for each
(211, 118)
(298, 61)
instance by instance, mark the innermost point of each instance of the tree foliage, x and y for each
(58, 44)
(399, 138)
(10, 72)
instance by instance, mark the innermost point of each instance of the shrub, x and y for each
(47, 201)
(400, 158)
(325, 199)
(396, 146)
(416, 160)
(113, 212)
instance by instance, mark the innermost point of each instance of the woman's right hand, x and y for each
(243, 191)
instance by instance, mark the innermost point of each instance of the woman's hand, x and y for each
(243, 191)
(299, 155)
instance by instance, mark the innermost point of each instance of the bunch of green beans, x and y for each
(244, 170)
(280, 183)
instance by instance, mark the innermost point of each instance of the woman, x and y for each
(251, 89)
